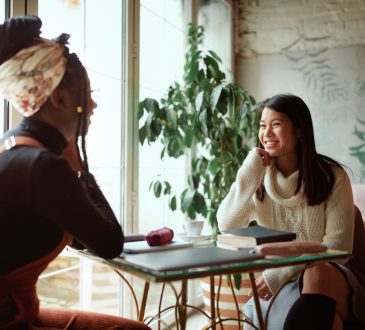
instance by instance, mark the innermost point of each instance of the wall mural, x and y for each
(332, 83)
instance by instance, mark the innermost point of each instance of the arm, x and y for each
(236, 207)
(58, 195)
(339, 230)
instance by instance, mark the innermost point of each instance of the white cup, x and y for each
(193, 227)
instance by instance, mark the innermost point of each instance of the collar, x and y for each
(281, 189)
(46, 134)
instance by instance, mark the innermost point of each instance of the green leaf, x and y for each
(173, 147)
(187, 199)
(199, 202)
(215, 56)
(157, 187)
(191, 213)
(231, 104)
(151, 185)
(213, 166)
(192, 72)
(151, 105)
(173, 203)
(167, 189)
(189, 135)
(213, 68)
(142, 134)
(216, 93)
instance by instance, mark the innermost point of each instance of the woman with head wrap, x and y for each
(48, 198)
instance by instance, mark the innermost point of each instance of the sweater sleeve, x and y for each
(339, 232)
(339, 228)
(237, 206)
(59, 196)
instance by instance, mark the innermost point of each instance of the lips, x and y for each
(270, 144)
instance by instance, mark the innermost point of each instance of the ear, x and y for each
(59, 99)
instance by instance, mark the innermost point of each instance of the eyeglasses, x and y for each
(94, 93)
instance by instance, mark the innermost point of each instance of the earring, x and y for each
(79, 109)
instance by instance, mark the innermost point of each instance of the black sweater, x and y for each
(41, 197)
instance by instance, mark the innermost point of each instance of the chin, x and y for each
(272, 153)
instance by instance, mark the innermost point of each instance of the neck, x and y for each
(60, 125)
(287, 164)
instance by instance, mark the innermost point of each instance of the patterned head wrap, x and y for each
(29, 77)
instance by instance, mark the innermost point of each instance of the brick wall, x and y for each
(314, 49)
(274, 26)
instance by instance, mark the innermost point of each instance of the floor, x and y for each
(195, 321)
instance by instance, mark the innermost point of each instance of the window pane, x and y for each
(97, 40)
(216, 17)
(2, 11)
(162, 46)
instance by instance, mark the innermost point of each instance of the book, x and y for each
(252, 236)
(236, 247)
(143, 247)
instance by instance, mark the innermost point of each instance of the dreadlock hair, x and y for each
(75, 74)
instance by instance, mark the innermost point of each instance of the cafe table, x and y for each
(197, 262)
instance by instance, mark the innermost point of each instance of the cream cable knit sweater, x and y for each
(331, 222)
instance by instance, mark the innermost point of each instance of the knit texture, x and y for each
(331, 222)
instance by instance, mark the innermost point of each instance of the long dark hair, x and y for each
(75, 75)
(315, 171)
(21, 32)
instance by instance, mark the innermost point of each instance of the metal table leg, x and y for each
(256, 300)
(144, 301)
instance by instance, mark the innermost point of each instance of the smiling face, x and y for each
(278, 135)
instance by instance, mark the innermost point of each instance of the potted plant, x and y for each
(209, 117)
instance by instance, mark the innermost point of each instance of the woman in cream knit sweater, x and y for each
(285, 184)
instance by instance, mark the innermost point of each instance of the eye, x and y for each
(262, 125)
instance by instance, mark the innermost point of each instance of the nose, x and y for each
(95, 105)
(268, 131)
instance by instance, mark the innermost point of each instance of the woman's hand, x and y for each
(262, 289)
(266, 159)
(70, 154)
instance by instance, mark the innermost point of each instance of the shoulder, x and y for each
(339, 173)
(28, 160)
(341, 180)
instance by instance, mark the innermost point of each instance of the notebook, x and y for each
(143, 247)
(188, 258)
(254, 235)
